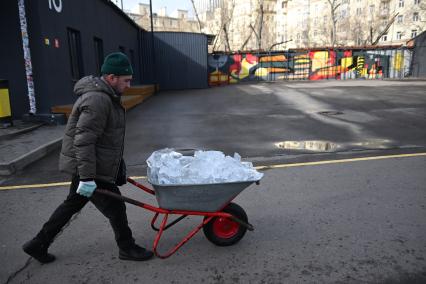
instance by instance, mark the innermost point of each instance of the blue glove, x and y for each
(86, 188)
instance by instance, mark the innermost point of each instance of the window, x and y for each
(400, 19)
(343, 13)
(415, 16)
(284, 5)
(358, 11)
(76, 58)
(384, 37)
(99, 53)
(122, 49)
(413, 33)
(371, 9)
(416, 2)
(398, 35)
(401, 3)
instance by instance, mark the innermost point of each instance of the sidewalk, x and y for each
(25, 142)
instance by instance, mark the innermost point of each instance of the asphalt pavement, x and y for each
(259, 121)
(349, 221)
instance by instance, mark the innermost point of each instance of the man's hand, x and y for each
(86, 188)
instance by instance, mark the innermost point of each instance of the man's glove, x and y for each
(86, 188)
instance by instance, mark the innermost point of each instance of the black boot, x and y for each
(38, 250)
(134, 252)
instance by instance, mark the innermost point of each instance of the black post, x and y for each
(154, 69)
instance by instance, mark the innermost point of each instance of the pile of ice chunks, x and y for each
(167, 166)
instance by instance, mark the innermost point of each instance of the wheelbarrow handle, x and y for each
(119, 197)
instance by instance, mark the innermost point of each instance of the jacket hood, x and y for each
(93, 84)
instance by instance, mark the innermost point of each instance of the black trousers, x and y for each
(113, 209)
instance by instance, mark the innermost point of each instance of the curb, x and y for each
(21, 131)
(32, 156)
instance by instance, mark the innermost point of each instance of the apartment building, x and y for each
(310, 23)
(178, 22)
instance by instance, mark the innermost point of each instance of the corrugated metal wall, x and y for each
(180, 60)
(418, 66)
(146, 58)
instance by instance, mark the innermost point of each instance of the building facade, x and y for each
(61, 45)
(179, 22)
(47, 46)
(283, 24)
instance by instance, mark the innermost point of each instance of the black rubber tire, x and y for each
(209, 230)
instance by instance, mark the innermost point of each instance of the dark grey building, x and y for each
(69, 39)
(181, 60)
(418, 64)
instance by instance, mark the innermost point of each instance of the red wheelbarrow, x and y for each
(225, 223)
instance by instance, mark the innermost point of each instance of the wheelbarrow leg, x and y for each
(187, 237)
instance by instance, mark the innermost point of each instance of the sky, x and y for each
(172, 5)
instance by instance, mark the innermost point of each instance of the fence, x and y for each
(318, 64)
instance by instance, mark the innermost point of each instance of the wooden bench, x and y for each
(131, 98)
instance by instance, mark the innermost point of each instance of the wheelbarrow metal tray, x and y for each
(198, 197)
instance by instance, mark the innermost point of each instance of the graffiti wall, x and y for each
(308, 65)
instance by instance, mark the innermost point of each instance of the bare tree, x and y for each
(334, 5)
(217, 40)
(196, 15)
(369, 27)
(248, 38)
(260, 24)
(420, 9)
(225, 17)
(383, 31)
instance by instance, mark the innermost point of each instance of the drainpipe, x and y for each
(27, 57)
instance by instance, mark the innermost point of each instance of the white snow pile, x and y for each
(169, 167)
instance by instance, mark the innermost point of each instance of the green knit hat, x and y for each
(118, 64)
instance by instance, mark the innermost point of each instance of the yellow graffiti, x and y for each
(362, 71)
(218, 76)
(261, 72)
(319, 60)
(245, 68)
(346, 62)
(397, 62)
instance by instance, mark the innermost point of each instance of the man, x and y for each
(92, 152)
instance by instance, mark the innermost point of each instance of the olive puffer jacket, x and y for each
(93, 143)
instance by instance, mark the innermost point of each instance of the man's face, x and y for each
(119, 83)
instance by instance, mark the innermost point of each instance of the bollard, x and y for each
(5, 109)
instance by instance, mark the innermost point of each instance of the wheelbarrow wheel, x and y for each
(224, 231)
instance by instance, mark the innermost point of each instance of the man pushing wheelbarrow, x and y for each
(92, 152)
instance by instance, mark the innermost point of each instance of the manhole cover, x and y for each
(330, 112)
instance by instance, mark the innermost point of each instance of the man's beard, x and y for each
(117, 92)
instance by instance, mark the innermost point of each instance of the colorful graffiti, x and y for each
(306, 65)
